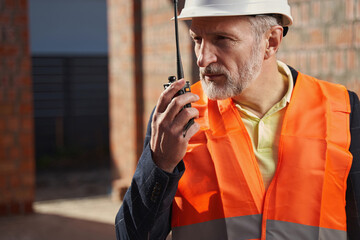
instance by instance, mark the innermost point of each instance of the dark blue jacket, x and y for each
(146, 209)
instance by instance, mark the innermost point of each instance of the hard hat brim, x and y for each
(223, 10)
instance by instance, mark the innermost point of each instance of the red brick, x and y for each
(12, 95)
(26, 96)
(24, 34)
(11, 64)
(6, 196)
(2, 124)
(3, 182)
(7, 140)
(20, 19)
(23, 4)
(24, 80)
(13, 123)
(351, 60)
(14, 154)
(357, 9)
(3, 153)
(28, 177)
(315, 8)
(314, 63)
(295, 13)
(328, 11)
(5, 81)
(3, 209)
(339, 62)
(325, 61)
(341, 35)
(26, 108)
(25, 64)
(15, 207)
(10, 35)
(27, 152)
(7, 166)
(15, 181)
(4, 18)
(316, 37)
(28, 207)
(292, 60)
(27, 126)
(350, 9)
(302, 58)
(9, 50)
(6, 110)
(10, 4)
(357, 34)
(28, 166)
(305, 12)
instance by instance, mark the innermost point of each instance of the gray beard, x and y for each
(235, 83)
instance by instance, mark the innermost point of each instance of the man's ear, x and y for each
(273, 40)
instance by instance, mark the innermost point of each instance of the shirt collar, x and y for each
(286, 75)
(285, 71)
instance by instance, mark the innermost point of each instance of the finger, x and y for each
(183, 121)
(178, 103)
(194, 128)
(184, 117)
(168, 94)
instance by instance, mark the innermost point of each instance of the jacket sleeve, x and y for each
(146, 209)
(353, 182)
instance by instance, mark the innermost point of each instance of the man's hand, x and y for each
(167, 142)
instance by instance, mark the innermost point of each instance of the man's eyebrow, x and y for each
(222, 33)
(226, 34)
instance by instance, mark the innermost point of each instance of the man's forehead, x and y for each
(218, 24)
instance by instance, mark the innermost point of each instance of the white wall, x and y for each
(74, 27)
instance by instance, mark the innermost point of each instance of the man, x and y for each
(273, 153)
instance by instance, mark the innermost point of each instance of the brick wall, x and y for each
(141, 57)
(16, 110)
(325, 40)
(121, 89)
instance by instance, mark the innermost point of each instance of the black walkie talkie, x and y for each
(180, 72)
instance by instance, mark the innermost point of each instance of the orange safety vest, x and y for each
(221, 194)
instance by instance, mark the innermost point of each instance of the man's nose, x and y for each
(205, 55)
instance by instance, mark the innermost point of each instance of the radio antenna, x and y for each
(180, 71)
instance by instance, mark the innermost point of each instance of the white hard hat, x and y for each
(218, 8)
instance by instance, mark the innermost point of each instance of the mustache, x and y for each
(214, 69)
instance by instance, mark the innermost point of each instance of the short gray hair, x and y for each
(261, 23)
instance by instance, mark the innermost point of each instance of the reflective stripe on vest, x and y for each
(221, 194)
(248, 227)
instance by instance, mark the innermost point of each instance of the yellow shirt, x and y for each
(265, 132)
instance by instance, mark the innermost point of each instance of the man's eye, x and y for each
(221, 38)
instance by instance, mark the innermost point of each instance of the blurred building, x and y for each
(53, 93)
(69, 53)
(324, 42)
